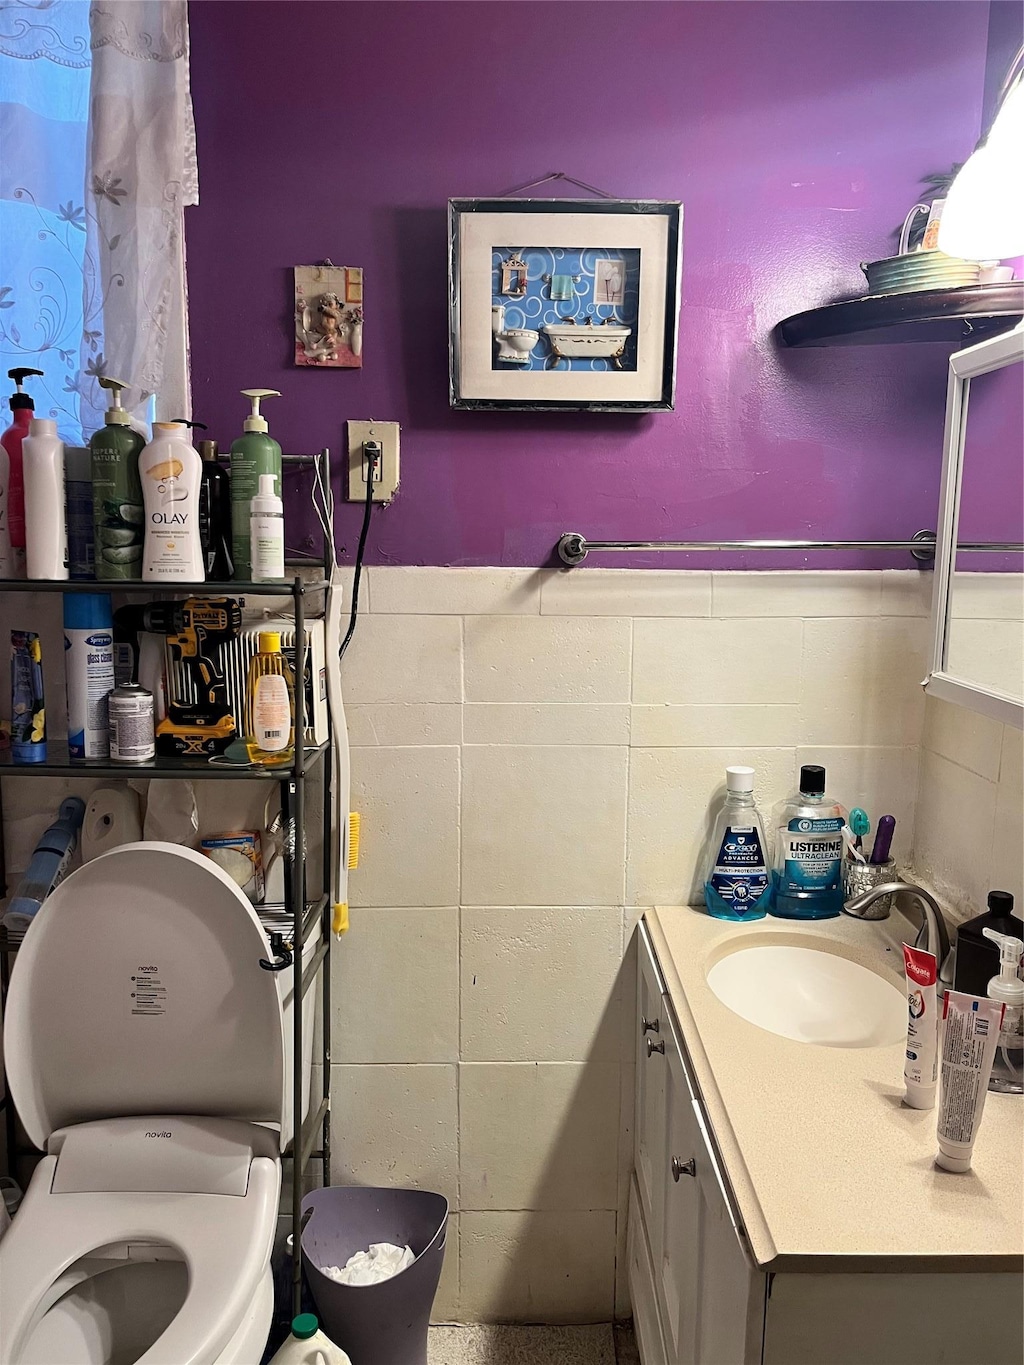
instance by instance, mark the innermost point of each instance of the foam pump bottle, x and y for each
(1008, 1065)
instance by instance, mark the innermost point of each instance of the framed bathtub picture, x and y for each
(568, 304)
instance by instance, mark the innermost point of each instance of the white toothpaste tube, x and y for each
(921, 1067)
(969, 1035)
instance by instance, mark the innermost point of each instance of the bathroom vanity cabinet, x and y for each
(700, 1293)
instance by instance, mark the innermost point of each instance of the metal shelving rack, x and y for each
(298, 916)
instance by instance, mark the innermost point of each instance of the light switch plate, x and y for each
(385, 483)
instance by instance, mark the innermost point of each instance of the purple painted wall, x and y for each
(796, 136)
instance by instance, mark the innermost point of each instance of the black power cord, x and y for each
(373, 453)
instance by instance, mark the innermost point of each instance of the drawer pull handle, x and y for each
(683, 1168)
(653, 1047)
(650, 1025)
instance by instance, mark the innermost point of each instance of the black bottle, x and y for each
(977, 958)
(215, 515)
(214, 509)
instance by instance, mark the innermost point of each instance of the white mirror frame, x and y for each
(993, 354)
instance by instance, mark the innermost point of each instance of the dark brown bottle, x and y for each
(977, 958)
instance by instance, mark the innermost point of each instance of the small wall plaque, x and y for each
(329, 316)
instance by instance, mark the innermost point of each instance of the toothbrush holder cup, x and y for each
(861, 877)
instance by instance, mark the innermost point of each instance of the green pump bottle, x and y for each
(255, 452)
(118, 516)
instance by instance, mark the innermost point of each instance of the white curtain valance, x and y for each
(140, 175)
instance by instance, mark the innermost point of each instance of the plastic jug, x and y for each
(307, 1345)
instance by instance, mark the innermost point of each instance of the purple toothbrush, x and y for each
(883, 839)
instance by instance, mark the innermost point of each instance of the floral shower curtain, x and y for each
(98, 166)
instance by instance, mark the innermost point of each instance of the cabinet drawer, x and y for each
(652, 1038)
(641, 1286)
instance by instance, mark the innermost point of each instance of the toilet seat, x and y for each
(144, 1047)
(224, 1240)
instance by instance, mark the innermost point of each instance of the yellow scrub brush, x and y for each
(339, 922)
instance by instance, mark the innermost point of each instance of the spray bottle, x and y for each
(118, 515)
(255, 452)
(1008, 1066)
(12, 485)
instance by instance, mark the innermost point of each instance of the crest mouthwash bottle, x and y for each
(807, 873)
(737, 884)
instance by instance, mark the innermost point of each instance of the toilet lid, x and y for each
(138, 990)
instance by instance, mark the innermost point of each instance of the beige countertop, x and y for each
(824, 1159)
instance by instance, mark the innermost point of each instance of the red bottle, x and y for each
(22, 407)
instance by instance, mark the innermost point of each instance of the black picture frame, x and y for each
(598, 363)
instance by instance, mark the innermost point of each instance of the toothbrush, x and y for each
(852, 842)
(883, 839)
(860, 825)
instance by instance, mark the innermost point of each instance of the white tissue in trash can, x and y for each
(381, 1262)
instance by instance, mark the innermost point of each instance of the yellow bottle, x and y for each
(269, 704)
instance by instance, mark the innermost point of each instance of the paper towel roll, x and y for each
(111, 819)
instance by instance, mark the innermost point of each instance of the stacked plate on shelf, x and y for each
(919, 270)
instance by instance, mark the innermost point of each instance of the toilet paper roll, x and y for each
(111, 819)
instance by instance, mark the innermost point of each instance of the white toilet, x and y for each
(145, 1053)
(514, 343)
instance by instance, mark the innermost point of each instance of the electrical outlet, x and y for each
(385, 481)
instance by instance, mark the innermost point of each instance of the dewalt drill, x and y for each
(195, 629)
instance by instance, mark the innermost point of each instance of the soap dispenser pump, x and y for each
(1008, 1065)
(253, 454)
(12, 482)
(118, 513)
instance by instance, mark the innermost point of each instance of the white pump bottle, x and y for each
(1008, 1064)
(266, 533)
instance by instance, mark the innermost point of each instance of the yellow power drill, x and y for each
(194, 629)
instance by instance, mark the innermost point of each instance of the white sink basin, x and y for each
(809, 995)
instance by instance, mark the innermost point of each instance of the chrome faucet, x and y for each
(933, 936)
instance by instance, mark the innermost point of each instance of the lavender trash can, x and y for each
(377, 1324)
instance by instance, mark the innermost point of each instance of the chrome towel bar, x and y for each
(573, 548)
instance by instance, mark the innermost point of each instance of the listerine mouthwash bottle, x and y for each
(807, 871)
(737, 884)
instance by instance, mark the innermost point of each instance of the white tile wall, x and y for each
(623, 592)
(396, 1125)
(546, 723)
(538, 983)
(547, 659)
(409, 801)
(797, 595)
(861, 681)
(538, 1135)
(969, 821)
(685, 662)
(534, 755)
(537, 1266)
(544, 760)
(543, 825)
(395, 987)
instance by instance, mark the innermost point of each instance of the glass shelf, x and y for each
(136, 587)
(59, 764)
